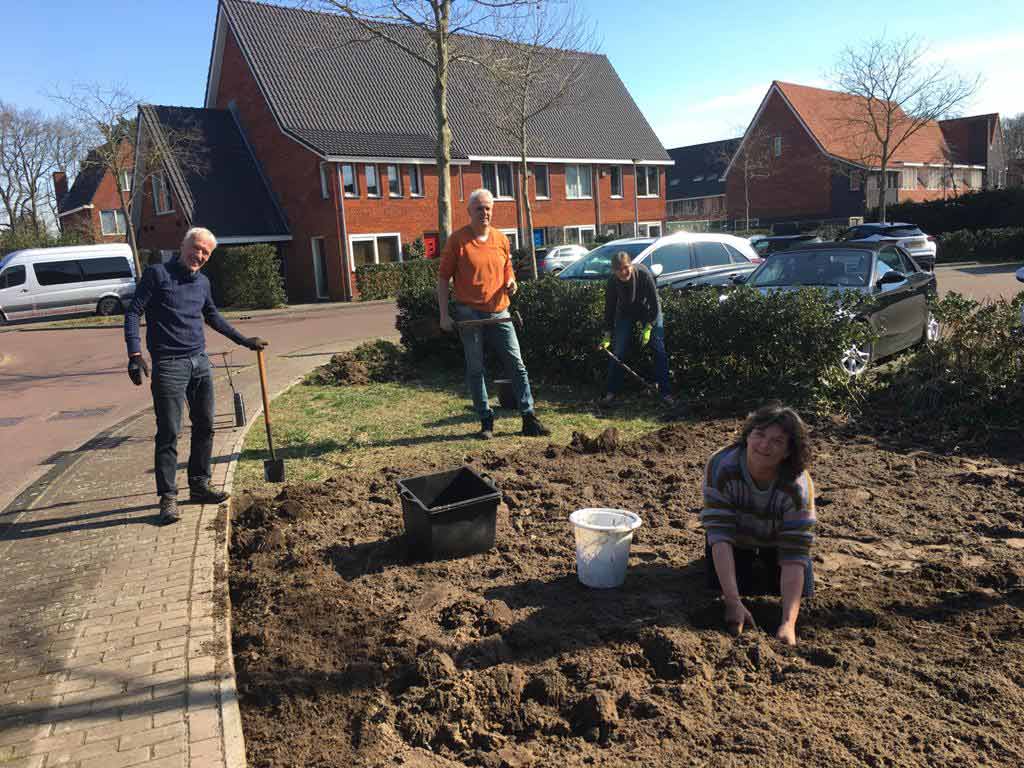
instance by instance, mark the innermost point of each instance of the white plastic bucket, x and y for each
(603, 537)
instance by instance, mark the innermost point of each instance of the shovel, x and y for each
(240, 419)
(273, 468)
(649, 387)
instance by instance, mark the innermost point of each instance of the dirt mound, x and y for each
(606, 442)
(377, 361)
(910, 653)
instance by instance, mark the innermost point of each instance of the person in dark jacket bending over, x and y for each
(176, 300)
(632, 296)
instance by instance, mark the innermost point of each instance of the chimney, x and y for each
(60, 186)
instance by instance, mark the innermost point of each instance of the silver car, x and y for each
(555, 258)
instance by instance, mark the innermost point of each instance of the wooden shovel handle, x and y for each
(266, 402)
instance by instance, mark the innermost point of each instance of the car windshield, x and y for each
(598, 263)
(829, 268)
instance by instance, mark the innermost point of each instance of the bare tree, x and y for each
(899, 92)
(537, 65)
(69, 145)
(439, 41)
(753, 162)
(1013, 143)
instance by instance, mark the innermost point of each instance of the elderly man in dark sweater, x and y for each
(630, 297)
(176, 300)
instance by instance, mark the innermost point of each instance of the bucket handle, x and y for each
(406, 494)
(489, 480)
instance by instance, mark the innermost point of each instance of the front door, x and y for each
(319, 267)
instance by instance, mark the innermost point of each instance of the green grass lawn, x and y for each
(323, 430)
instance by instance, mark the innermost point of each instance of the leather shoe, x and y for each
(204, 494)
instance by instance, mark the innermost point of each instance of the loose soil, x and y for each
(911, 653)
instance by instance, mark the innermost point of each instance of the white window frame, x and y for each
(372, 237)
(776, 146)
(498, 193)
(612, 170)
(313, 248)
(934, 177)
(513, 237)
(376, 176)
(645, 172)
(581, 169)
(415, 179)
(547, 182)
(908, 179)
(160, 185)
(119, 217)
(325, 189)
(127, 177)
(401, 187)
(644, 228)
(580, 229)
(355, 180)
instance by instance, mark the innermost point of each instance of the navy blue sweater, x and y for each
(176, 301)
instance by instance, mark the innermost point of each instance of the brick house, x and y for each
(92, 204)
(696, 184)
(812, 165)
(344, 136)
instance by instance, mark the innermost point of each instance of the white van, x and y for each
(39, 282)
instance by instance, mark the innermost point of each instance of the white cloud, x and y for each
(997, 60)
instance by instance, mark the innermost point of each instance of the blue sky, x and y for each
(697, 70)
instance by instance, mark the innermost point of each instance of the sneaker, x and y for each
(532, 427)
(486, 428)
(204, 494)
(169, 510)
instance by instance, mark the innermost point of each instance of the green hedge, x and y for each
(987, 209)
(1006, 244)
(246, 276)
(743, 350)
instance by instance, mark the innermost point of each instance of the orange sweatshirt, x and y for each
(480, 269)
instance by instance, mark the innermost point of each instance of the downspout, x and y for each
(636, 203)
(595, 181)
(339, 220)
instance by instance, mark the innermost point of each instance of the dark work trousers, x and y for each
(758, 572)
(176, 381)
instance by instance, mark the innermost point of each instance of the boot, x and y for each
(486, 428)
(202, 493)
(532, 427)
(169, 509)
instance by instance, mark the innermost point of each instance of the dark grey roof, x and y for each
(698, 169)
(345, 95)
(90, 174)
(220, 187)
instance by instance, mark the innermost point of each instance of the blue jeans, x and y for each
(502, 338)
(620, 346)
(177, 381)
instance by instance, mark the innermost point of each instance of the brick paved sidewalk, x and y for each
(114, 633)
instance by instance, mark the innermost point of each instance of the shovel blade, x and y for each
(273, 470)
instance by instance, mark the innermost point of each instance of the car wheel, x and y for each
(108, 306)
(857, 359)
(931, 330)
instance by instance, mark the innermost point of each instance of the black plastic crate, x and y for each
(449, 514)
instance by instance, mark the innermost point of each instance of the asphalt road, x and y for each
(59, 388)
(981, 281)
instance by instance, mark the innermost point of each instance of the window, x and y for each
(372, 183)
(375, 249)
(325, 188)
(58, 272)
(647, 181)
(497, 177)
(394, 181)
(126, 180)
(934, 178)
(113, 222)
(577, 182)
(892, 179)
(648, 229)
(908, 178)
(974, 179)
(350, 183)
(161, 195)
(736, 256)
(709, 254)
(615, 173)
(654, 230)
(581, 234)
(906, 264)
(319, 267)
(674, 257)
(110, 268)
(888, 261)
(12, 277)
(777, 146)
(415, 181)
(855, 181)
(513, 237)
(540, 182)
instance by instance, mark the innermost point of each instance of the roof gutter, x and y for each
(585, 160)
(75, 210)
(241, 239)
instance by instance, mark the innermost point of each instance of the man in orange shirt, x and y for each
(477, 259)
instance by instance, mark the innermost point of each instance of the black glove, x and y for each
(137, 368)
(255, 343)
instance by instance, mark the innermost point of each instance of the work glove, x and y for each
(645, 337)
(137, 368)
(606, 341)
(255, 343)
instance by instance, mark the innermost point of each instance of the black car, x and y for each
(769, 244)
(895, 290)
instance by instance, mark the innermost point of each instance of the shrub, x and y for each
(1006, 244)
(990, 208)
(417, 249)
(247, 276)
(378, 281)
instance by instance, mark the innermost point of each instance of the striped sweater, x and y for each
(737, 511)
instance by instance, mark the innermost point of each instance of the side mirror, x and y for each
(739, 279)
(891, 277)
(1020, 274)
(657, 269)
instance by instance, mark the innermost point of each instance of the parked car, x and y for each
(680, 260)
(909, 237)
(552, 259)
(765, 245)
(895, 291)
(40, 282)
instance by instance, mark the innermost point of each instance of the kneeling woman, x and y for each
(759, 517)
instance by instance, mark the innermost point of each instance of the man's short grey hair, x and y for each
(195, 232)
(482, 192)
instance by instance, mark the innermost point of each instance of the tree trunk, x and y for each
(884, 185)
(130, 230)
(444, 133)
(746, 194)
(526, 236)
